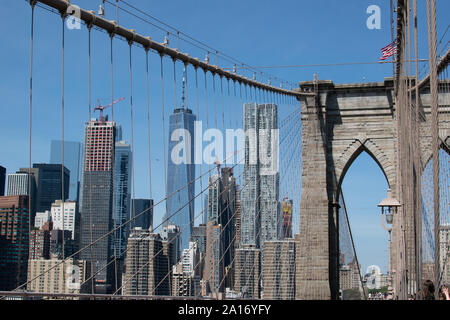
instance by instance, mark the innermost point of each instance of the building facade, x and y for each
(14, 241)
(148, 263)
(143, 211)
(181, 174)
(260, 218)
(247, 272)
(97, 199)
(279, 270)
(72, 161)
(49, 184)
(64, 216)
(69, 276)
(122, 195)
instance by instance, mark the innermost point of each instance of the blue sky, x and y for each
(257, 32)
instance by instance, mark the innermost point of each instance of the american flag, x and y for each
(388, 51)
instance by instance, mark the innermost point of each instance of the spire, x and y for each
(184, 86)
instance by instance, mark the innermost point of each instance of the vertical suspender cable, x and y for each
(201, 147)
(32, 3)
(418, 208)
(111, 36)
(148, 132)
(90, 176)
(132, 137)
(434, 130)
(163, 125)
(63, 17)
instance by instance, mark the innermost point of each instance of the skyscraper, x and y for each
(181, 174)
(279, 270)
(72, 161)
(147, 264)
(268, 172)
(260, 208)
(18, 184)
(143, 209)
(49, 184)
(122, 194)
(214, 268)
(23, 184)
(97, 199)
(14, 241)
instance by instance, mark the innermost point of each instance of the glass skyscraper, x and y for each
(122, 194)
(72, 161)
(180, 204)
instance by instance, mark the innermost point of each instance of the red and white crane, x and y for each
(101, 108)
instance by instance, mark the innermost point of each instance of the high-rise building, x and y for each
(279, 270)
(286, 218)
(181, 173)
(260, 208)
(182, 283)
(64, 220)
(122, 195)
(97, 199)
(23, 183)
(49, 179)
(250, 214)
(143, 210)
(41, 218)
(14, 241)
(72, 161)
(247, 272)
(18, 184)
(39, 244)
(147, 264)
(199, 236)
(186, 273)
(213, 270)
(61, 241)
(171, 234)
(268, 172)
(2, 180)
(69, 276)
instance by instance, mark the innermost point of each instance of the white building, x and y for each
(190, 259)
(17, 184)
(68, 217)
(41, 218)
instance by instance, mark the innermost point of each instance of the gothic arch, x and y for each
(353, 151)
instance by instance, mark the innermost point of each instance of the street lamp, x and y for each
(389, 208)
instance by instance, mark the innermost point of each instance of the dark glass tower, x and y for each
(72, 161)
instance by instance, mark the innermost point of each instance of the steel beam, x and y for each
(91, 19)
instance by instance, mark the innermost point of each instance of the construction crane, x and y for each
(101, 108)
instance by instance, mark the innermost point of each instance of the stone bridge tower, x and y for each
(339, 123)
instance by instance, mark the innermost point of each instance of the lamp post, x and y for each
(389, 207)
